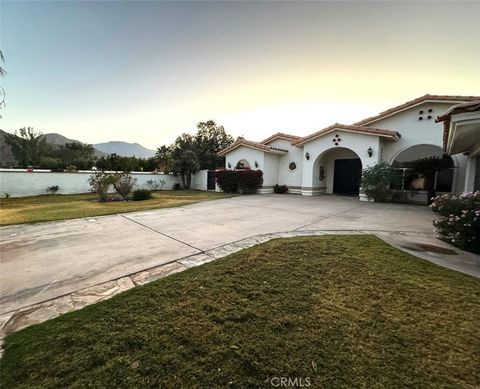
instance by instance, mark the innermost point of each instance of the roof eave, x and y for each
(290, 138)
(267, 149)
(395, 137)
(224, 152)
(281, 152)
(413, 103)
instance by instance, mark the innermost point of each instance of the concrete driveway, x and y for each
(44, 261)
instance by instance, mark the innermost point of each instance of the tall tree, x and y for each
(210, 139)
(184, 158)
(188, 153)
(81, 155)
(27, 146)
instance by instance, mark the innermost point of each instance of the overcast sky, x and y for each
(147, 71)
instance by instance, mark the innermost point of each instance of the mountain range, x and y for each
(123, 149)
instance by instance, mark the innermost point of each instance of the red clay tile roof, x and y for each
(280, 135)
(359, 129)
(470, 106)
(253, 145)
(414, 102)
(356, 127)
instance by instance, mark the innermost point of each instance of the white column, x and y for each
(469, 174)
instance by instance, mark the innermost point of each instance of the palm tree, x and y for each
(164, 158)
(185, 163)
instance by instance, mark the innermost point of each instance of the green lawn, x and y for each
(342, 311)
(59, 207)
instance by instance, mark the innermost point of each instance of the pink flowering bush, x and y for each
(459, 221)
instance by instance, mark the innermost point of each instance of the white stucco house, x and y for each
(331, 160)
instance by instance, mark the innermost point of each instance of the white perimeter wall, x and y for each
(20, 183)
(199, 180)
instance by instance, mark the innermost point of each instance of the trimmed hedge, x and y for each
(244, 181)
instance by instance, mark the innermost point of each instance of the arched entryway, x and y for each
(425, 167)
(338, 171)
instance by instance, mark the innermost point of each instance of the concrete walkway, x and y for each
(51, 268)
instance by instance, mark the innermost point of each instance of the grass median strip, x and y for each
(342, 311)
(61, 207)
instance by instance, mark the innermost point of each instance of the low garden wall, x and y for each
(21, 183)
(199, 180)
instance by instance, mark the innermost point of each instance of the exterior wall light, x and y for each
(307, 155)
(370, 152)
(256, 164)
(229, 165)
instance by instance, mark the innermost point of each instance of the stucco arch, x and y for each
(424, 150)
(323, 167)
(366, 147)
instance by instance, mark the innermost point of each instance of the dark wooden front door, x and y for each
(346, 176)
(211, 180)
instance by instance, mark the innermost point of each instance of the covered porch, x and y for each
(462, 135)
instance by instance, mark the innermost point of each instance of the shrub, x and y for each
(141, 194)
(123, 184)
(249, 181)
(280, 188)
(71, 169)
(459, 221)
(177, 186)
(99, 182)
(376, 182)
(227, 180)
(51, 163)
(244, 181)
(53, 189)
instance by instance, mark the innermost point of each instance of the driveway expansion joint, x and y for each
(161, 233)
